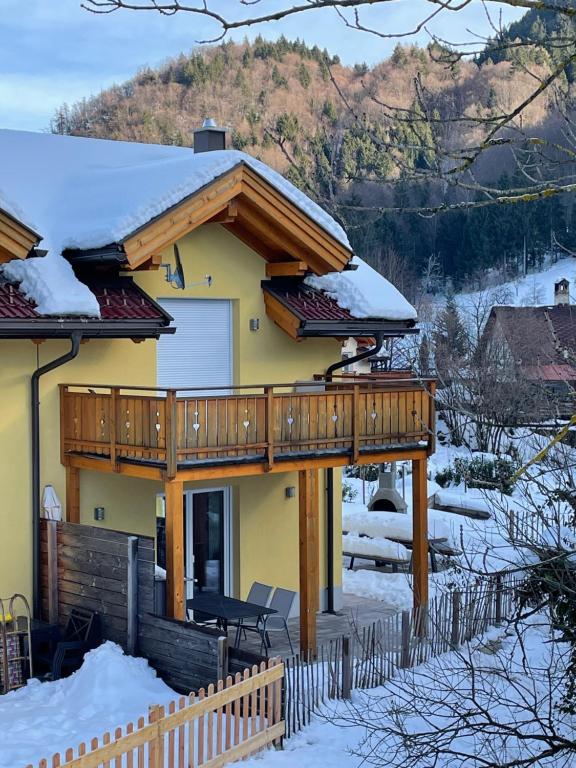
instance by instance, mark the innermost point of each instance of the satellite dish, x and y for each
(176, 276)
(178, 279)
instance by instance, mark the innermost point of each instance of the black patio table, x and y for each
(226, 609)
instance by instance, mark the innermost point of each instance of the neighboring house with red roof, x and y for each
(539, 345)
(240, 291)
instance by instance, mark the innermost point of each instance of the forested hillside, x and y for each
(325, 125)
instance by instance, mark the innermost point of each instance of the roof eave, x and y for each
(91, 329)
(111, 254)
(347, 328)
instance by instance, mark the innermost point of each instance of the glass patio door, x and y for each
(207, 537)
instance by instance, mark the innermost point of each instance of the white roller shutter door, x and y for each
(199, 354)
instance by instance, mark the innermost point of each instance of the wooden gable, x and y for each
(255, 212)
(16, 239)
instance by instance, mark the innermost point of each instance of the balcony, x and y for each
(191, 433)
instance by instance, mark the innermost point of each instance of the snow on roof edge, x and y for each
(16, 214)
(365, 293)
(49, 281)
(312, 210)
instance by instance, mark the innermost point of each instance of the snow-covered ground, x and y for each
(535, 289)
(109, 690)
(436, 695)
(484, 544)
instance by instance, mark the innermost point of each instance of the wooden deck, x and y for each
(345, 422)
(356, 612)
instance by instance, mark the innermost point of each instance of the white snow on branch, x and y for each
(365, 293)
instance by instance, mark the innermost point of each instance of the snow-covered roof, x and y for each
(87, 193)
(7, 206)
(364, 292)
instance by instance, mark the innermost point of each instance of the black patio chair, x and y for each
(64, 654)
(282, 602)
(259, 594)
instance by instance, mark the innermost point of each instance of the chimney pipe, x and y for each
(561, 292)
(210, 137)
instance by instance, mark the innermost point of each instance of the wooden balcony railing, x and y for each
(173, 428)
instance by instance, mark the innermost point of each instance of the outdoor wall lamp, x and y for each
(99, 513)
(254, 323)
(290, 492)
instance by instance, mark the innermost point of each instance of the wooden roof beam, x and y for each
(272, 232)
(16, 239)
(227, 216)
(286, 269)
(184, 218)
(285, 213)
(264, 249)
(282, 316)
(242, 196)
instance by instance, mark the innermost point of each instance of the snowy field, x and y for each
(112, 689)
(535, 289)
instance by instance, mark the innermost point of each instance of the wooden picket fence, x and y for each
(373, 654)
(235, 719)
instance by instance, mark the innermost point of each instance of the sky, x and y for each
(54, 51)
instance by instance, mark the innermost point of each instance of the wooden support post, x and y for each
(432, 418)
(112, 426)
(72, 495)
(498, 598)
(269, 392)
(455, 628)
(420, 541)
(405, 641)
(356, 424)
(51, 528)
(309, 557)
(175, 603)
(132, 596)
(171, 434)
(346, 669)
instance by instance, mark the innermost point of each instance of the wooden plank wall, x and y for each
(187, 658)
(239, 660)
(93, 573)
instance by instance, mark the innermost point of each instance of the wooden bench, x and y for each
(379, 561)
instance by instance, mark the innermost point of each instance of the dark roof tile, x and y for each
(310, 304)
(119, 300)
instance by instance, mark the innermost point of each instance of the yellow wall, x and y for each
(268, 523)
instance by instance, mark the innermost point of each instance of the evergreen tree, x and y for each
(450, 338)
(304, 75)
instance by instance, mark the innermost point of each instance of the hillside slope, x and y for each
(324, 126)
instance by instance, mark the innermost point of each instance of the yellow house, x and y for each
(170, 334)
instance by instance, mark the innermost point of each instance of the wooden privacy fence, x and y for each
(112, 573)
(170, 427)
(373, 654)
(93, 568)
(235, 719)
